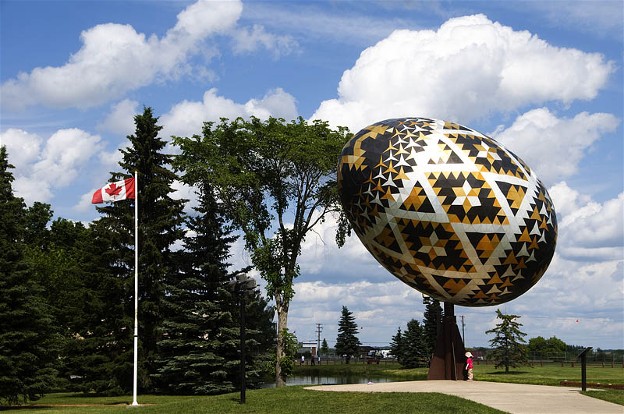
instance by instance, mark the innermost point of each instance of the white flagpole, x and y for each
(136, 287)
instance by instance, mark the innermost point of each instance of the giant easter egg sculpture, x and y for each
(447, 210)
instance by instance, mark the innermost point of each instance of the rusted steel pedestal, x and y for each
(448, 358)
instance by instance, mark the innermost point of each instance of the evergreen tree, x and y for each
(324, 347)
(508, 341)
(28, 341)
(260, 338)
(347, 342)
(98, 354)
(57, 261)
(85, 302)
(198, 348)
(268, 174)
(161, 219)
(431, 325)
(396, 346)
(414, 346)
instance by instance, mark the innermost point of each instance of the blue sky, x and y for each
(542, 77)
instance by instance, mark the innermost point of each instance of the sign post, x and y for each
(583, 357)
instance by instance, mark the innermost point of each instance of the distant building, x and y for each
(307, 347)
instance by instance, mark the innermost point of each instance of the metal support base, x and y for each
(448, 358)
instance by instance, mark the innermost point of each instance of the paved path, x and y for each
(511, 398)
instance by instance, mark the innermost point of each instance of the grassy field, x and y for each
(295, 399)
(550, 374)
(270, 401)
(547, 374)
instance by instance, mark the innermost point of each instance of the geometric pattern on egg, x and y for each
(447, 210)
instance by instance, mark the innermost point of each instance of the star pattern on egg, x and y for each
(447, 210)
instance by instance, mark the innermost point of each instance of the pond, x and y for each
(330, 380)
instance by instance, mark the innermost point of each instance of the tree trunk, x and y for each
(282, 325)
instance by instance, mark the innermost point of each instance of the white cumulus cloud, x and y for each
(22, 147)
(40, 169)
(115, 58)
(187, 117)
(588, 230)
(467, 69)
(553, 146)
(120, 120)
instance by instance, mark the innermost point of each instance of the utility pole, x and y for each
(319, 329)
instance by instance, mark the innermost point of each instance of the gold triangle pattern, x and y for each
(447, 210)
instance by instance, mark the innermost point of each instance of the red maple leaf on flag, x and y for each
(113, 190)
(120, 190)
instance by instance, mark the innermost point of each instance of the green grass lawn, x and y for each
(296, 399)
(614, 396)
(548, 374)
(286, 400)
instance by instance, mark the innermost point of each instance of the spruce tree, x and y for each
(432, 323)
(347, 342)
(84, 298)
(414, 346)
(324, 347)
(396, 346)
(160, 227)
(28, 341)
(198, 347)
(98, 354)
(508, 341)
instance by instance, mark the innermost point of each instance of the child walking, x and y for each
(469, 365)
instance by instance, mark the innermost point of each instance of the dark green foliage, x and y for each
(291, 348)
(87, 301)
(269, 172)
(508, 341)
(552, 348)
(432, 323)
(199, 345)
(28, 341)
(414, 347)
(347, 342)
(200, 330)
(324, 347)
(161, 219)
(410, 347)
(396, 346)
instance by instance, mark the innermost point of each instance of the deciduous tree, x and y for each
(277, 182)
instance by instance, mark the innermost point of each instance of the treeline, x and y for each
(414, 347)
(67, 290)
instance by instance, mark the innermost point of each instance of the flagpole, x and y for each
(136, 287)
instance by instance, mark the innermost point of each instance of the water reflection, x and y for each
(329, 380)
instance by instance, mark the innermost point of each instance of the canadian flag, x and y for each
(119, 190)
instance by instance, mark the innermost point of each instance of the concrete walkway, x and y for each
(511, 398)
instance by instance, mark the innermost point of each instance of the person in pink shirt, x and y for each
(469, 365)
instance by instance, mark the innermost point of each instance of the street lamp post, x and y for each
(241, 286)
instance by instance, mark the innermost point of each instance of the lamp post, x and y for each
(241, 286)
